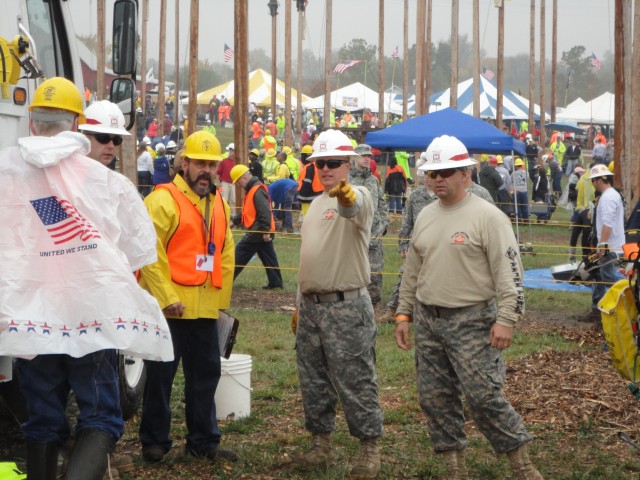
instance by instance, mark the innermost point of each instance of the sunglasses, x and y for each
(446, 173)
(332, 164)
(103, 139)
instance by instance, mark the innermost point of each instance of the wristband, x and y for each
(403, 318)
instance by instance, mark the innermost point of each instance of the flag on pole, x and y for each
(595, 62)
(395, 55)
(488, 74)
(228, 53)
(342, 67)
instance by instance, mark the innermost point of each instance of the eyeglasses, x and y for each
(332, 164)
(445, 173)
(103, 139)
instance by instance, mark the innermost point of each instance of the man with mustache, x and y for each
(191, 281)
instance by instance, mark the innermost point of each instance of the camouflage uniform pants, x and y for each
(336, 360)
(454, 357)
(376, 260)
(395, 296)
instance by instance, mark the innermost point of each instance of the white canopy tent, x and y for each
(599, 110)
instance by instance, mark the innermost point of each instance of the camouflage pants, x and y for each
(454, 357)
(376, 260)
(336, 360)
(395, 296)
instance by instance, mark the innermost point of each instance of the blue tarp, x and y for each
(542, 279)
(416, 134)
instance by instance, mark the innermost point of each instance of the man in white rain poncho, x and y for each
(73, 232)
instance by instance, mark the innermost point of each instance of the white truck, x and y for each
(37, 41)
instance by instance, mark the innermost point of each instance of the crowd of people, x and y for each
(460, 284)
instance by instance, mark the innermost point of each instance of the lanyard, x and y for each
(208, 245)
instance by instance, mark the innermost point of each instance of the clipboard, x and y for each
(227, 331)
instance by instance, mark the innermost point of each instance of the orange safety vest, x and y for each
(316, 185)
(249, 208)
(187, 241)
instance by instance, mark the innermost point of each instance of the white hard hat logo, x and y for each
(436, 157)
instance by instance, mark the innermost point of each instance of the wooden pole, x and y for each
(100, 60)
(500, 86)
(327, 64)
(619, 89)
(381, 81)
(532, 64)
(193, 67)
(301, 21)
(176, 90)
(405, 60)
(241, 86)
(274, 64)
(635, 99)
(543, 139)
(427, 58)
(420, 38)
(476, 58)
(162, 61)
(554, 60)
(288, 137)
(143, 56)
(453, 88)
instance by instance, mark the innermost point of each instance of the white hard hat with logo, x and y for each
(599, 171)
(104, 117)
(332, 143)
(447, 152)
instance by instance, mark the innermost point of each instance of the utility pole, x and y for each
(241, 84)
(381, 62)
(287, 74)
(635, 96)
(500, 88)
(162, 61)
(405, 61)
(176, 90)
(100, 60)
(143, 57)
(273, 11)
(301, 20)
(193, 67)
(543, 137)
(621, 126)
(420, 36)
(427, 58)
(554, 60)
(476, 58)
(532, 64)
(327, 64)
(453, 89)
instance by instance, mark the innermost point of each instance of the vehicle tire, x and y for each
(133, 375)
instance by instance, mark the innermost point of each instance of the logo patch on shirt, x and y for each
(511, 254)
(329, 214)
(459, 238)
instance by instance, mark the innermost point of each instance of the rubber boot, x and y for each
(42, 460)
(521, 465)
(572, 255)
(319, 455)
(368, 462)
(88, 459)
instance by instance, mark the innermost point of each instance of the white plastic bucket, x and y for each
(233, 395)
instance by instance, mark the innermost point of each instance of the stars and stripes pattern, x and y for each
(228, 53)
(488, 74)
(395, 54)
(342, 67)
(595, 61)
(63, 221)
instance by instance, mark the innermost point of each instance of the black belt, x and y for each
(442, 312)
(336, 296)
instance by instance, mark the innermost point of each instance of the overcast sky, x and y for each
(580, 22)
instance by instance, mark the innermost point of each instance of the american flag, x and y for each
(488, 74)
(595, 61)
(342, 67)
(228, 53)
(395, 55)
(63, 221)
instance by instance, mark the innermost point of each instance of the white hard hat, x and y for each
(599, 170)
(160, 148)
(231, 146)
(529, 136)
(447, 152)
(146, 140)
(104, 117)
(171, 144)
(332, 143)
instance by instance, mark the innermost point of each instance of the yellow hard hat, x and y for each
(484, 157)
(238, 171)
(58, 92)
(287, 150)
(611, 166)
(308, 149)
(499, 158)
(255, 151)
(271, 152)
(202, 145)
(518, 162)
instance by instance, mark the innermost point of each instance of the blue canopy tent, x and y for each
(416, 134)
